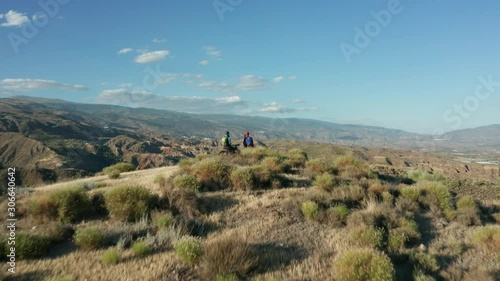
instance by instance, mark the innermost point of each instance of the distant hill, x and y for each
(486, 137)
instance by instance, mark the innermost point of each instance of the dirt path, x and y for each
(142, 177)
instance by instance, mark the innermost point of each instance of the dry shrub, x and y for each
(186, 165)
(243, 178)
(405, 205)
(257, 153)
(363, 264)
(488, 236)
(348, 193)
(186, 181)
(213, 174)
(43, 207)
(263, 176)
(226, 255)
(418, 175)
(424, 262)
(378, 188)
(367, 236)
(297, 157)
(276, 164)
(337, 215)
(351, 167)
(129, 203)
(181, 200)
(410, 192)
(318, 166)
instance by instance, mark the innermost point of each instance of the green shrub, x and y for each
(488, 236)
(325, 182)
(189, 249)
(435, 193)
(31, 246)
(418, 175)
(466, 202)
(227, 277)
(424, 261)
(297, 157)
(160, 180)
(89, 238)
(243, 178)
(368, 236)
(186, 181)
(72, 204)
(310, 209)
(113, 174)
(396, 240)
(342, 211)
(140, 248)
(111, 256)
(226, 256)
(164, 221)
(363, 264)
(129, 203)
(120, 167)
(410, 192)
(213, 173)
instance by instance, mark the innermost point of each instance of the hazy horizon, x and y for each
(419, 66)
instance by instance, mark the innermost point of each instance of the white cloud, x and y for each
(298, 101)
(19, 85)
(194, 104)
(292, 77)
(204, 62)
(14, 19)
(274, 107)
(156, 40)
(39, 16)
(125, 50)
(251, 83)
(152, 56)
(213, 52)
(278, 79)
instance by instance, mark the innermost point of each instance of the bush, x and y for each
(466, 202)
(164, 221)
(160, 180)
(310, 209)
(140, 248)
(186, 181)
(378, 188)
(276, 164)
(189, 249)
(227, 256)
(319, 166)
(129, 203)
(367, 236)
(342, 211)
(258, 153)
(418, 175)
(181, 200)
(410, 192)
(349, 193)
(213, 174)
(111, 256)
(31, 246)
(488, 236)
(363, 264)
(113, 174)
(297, 157)
(89, 238)
(424, 261)
(243, 178)
(263, 176)
(120, 167)
(325, 182)
(227, 277)
(435, 194)
(43, 207)
(350, 166)
(72, 204)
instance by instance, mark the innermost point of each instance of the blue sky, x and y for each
(421, 66)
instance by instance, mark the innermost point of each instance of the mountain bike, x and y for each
(230, 150)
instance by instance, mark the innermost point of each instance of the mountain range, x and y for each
(54, 139)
